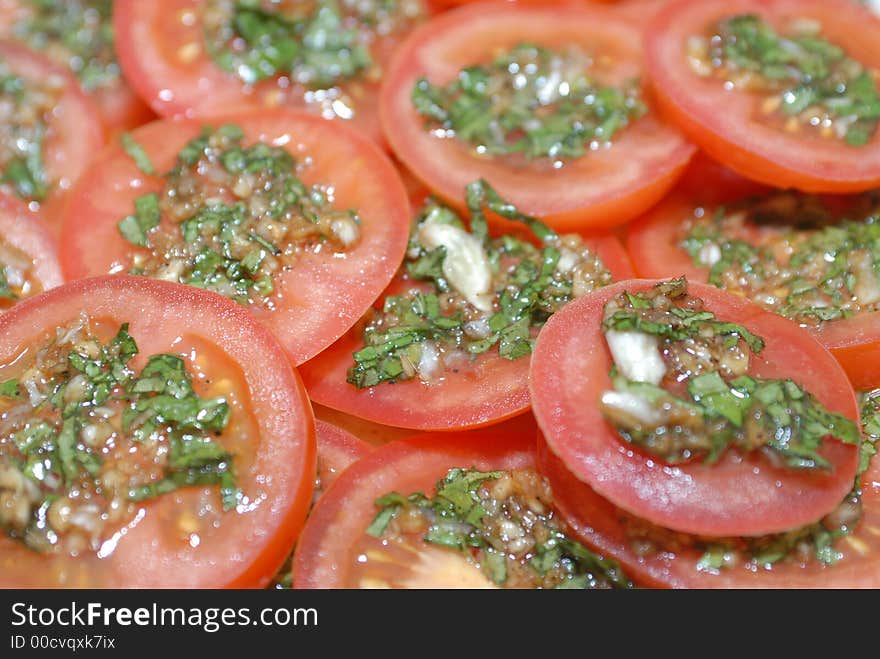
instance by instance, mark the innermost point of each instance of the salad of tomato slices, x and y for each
(559, 294)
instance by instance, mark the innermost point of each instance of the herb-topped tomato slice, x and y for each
(28, 254)
(78, 34)
(543, 103)
(301, 220)
(783, 91)
(49, 129)
(812, 259)
(483, 518)
(448, 345)
(153, 435)
(839, 551)
(189, 57)
(695, 409)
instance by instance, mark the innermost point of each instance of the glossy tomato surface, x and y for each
(489, 389)
(327, 555)
(119, 107)
(603, 188)
(162, 52)
(272, 438)
(737, 495)
(321, 296)
(73, 132)
(25, 233)
(338, 449)
(730, 125)
(606, 528)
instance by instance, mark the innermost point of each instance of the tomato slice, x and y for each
(603, 526)
(654, 243)
(327, 552)
(161, 47)
(31, 245)
(603, 188)
(120, 108)
(731, 125)
(488, 390)
(270, 434)
(338, 449)
(73, 135)
(739, 495)
(321, 296)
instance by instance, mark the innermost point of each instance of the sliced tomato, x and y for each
(271, 435)
(162, 52)
(600, 189)
(120, 108)
(319, 298)
(32, 241)
(327, 552)
(73, 133)
(338, 449)
(730, 125)
(486, 391)
(654, 244)
(601, 525)
(737, 496)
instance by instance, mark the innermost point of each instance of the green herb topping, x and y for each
(704, 403)
(807, 264)
(316, 44)
(807, 81)
(230, 217)
(814, 542)
(504, 523)
(24, 109)
(532, 101)
(471, 293)
(75, 33)
(83, 436)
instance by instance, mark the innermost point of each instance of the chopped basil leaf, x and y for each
(137, 153)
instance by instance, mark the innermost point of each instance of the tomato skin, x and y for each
(653, 244)
(338, 449)
(77, 133)
(728, 125)
(24, 231)
(738, 495)
(251, 546)
(493, 390)
(599, 524)
(325, 548)
(600, 190)
(150, 38)
(320, 297)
